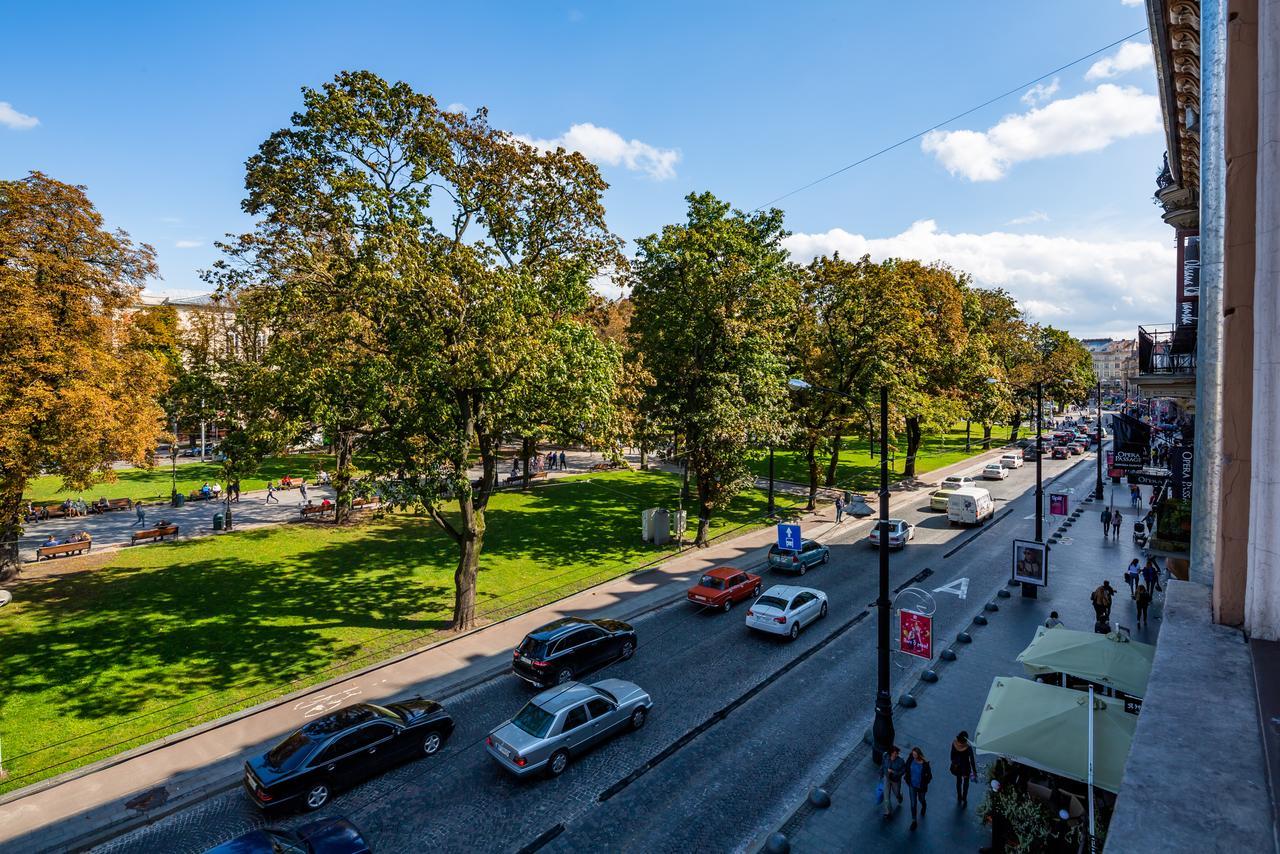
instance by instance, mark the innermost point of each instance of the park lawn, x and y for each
(166, 636)
(155, 484)
(859, 471)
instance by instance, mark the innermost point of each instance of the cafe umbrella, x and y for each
(1111, 660)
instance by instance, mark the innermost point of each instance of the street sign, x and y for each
(915, 634)
(789, 537)
(1057, 504)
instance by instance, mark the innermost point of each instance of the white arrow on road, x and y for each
(959, 587)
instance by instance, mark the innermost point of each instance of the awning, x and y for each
(1047, 727)
(1111, 660)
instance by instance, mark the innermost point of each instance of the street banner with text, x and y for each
(915, 633)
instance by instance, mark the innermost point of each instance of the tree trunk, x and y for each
(704, 513)
(986, 437)
(342, 476)
(644, 456)
(913, 445)
(835, 459)
(811, 455)
(10, 530)
(526, 452)
(1014, 424)
(464, 579)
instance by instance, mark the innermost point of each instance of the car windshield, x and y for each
(534, 720)
(773, 602)
(712, 582)
(290, 753)
(533, 648)
(603, 693)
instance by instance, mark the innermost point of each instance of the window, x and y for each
(808, 547)
(534, 720)
(568, 642)
(737, 579)
(591, 633)
(339, 748)
(801, 600)
(372, 734)
(599, 707)
(577, 717)
(772, 602)
(712, 582)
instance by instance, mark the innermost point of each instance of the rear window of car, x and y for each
(773, 602)
(712, 582)
(290, 753)
(534, 720)
(533, 648)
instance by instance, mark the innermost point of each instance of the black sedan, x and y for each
(327, 836)
(345, 748)
(567, 648)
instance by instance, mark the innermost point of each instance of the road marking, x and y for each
(319, 705)
(959, 587)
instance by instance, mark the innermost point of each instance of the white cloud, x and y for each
(602, 145)
(14, 120)
(171, 220)
(1040, 93)
(1088, 122)
(1089, 287)
(1034, 216)
(457, 107)
(1132, 2)
(1130, 57)
(188, 244)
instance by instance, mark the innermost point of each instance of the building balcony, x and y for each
(1166, 362)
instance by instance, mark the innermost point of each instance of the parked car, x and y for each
(811, 553)
(562, 722)
(994, 471)
(1075, 449)
(900, 533)
(560, 651)
(1011, 461)
(344, 748)
(1030, 453)
(1060, 452)
(327, 836)
(957, 481)
(970, 506)
(724, 586)
(785, 610)
(938, 498)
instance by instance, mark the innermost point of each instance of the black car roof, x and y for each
(551, 631)
(341, 720)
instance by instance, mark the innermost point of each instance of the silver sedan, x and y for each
(784, 610)
(564, 721)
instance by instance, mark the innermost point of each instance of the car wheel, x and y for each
(822, 612)
(638, 717)
(564, 676)
(629, 649)
(826, 557)
(727, 606)
(795, 630)
(557, 763)
(802, 569)
(431, 743)
(317, 796)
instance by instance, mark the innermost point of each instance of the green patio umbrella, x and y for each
(1111, 660)
(1047, 727)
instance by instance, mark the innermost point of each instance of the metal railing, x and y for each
(1157, 353)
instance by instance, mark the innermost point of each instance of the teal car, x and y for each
(810, 554)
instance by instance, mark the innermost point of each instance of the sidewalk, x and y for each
(854, 821)
(91, 804)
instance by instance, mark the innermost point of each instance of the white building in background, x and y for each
(1115, 362)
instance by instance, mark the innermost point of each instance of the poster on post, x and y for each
(1031, 562)
(1057, 504)
(915, 633)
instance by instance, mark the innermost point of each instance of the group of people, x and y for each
(210, 492)
(1143, 583)
(1112, 520)
(76, 537)
(915, 771)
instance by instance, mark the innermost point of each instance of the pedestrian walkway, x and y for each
(91, 804)
(854, 822)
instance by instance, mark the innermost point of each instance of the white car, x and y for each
(785, 610)
(956, 481)
(1011, 461)
(900, 533)
(994, 471)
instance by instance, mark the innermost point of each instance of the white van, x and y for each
(971, 505)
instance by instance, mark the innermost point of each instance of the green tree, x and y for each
(714, 298)
(79, 372)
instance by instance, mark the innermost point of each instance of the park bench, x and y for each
(364, 502)
(119, 504)
(54, 511)
(293, 484)
(316, 510)
(157, 533)
(607, 465)
(516, 478)
(72, 548)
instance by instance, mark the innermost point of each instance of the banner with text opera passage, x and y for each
(1132, 442)
(1181, 468)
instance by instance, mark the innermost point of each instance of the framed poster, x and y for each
(1031, 562)
(915, 633)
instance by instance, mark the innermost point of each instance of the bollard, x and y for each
(980, 620)
(964, 637)
(1003, 594)
(992, 606)
(778, 844)
(907, 701)
(948, 655)
(929, 676)
(819, 798)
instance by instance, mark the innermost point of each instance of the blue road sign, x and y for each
(788, 536)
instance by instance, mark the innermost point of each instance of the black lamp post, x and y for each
(1098, 489)
(882, 733)
(772, 507)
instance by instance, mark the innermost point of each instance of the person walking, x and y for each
(1101, 599)
(1131, 576)
(964, 767)
(1151, 576)
(1143, 602)
(302, 489)
(1135, 495)
(839, 509)
(234, 489)
(891, 771)
(271, 493)
(1106, 522)
(918, 777)
(1116, 521)
(564, 462)
(141, 521)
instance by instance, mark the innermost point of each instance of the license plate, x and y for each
(524, 659)
(504, 751)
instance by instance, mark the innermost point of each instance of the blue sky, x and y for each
(155, 107)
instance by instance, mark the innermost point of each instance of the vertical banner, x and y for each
(1030, 562)
(1188, 294)
(915, 633)
(1057, 504)
(1181, 468)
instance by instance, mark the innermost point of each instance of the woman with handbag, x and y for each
(964, 767)
(918, 777)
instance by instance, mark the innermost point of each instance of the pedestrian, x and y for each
(271, 493)
(564, 462)
(1106, 522)
(964, 767)
(302, 489)
(839, 509)
(1131, 578)
(141, 521)
(1151, 576)
(1143, 601)
(1135, 495)
(891, 771)
(1116, 521)
(918, 777)
(1053, 622)
(1101, 599)
(234, 487)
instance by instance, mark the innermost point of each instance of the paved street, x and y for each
(741, 722)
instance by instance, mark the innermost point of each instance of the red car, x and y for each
(722, 586)
(1060, 452)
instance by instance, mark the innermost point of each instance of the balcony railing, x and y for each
(1159, 353)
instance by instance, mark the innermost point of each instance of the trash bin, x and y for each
(218, 520)
(179, 499)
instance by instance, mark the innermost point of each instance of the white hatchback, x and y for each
(994, 471)
(785, 610)
(1011, 461)
(956, 481)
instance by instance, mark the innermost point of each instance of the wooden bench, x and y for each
(291, 485)
(119, 504)
(153, 534)
(365, 502)
(316, 510)
(72, 548)
(54, 511)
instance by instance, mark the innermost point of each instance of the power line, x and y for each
(956, 117)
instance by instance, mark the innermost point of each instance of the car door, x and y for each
(801, 609)
(575, 731)
(341, 760)
(378, 743)
(597, 646)
(741, 587)
(809, 553)
(604, 718)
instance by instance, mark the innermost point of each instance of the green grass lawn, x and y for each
(155, 484)
(858, 470)
(166, 636)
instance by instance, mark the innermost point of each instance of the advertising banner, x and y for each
(1132, 443)
(1112, 471)
(1181, 467)
(1030, 562)
(915, 633)
(1057, 504)
(1188, 294)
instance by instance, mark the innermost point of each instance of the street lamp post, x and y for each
(1030, 591)
(1098, 489)
(772, 507)
(882, 733)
